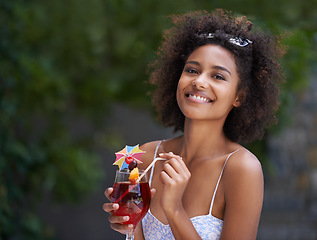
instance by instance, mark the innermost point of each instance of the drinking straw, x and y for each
(125, 193)
(148, 168)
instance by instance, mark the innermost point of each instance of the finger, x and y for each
(167, 155)
(108, 192)
(177, 165)
(153, 191)
(171, 155)
(122, 228)
(184, 167)
(108, 207)
(118, 219)
(180, 160)
(170, 169)
(181, 170)
(165, 178)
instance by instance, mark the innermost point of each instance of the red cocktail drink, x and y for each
(133, 200)
(132, 193)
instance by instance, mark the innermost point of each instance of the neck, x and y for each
(203, 139)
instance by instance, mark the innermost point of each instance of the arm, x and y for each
(175, 176)
(243, 190)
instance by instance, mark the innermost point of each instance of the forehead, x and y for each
(212, 53)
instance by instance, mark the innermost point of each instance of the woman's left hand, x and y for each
(174, 176)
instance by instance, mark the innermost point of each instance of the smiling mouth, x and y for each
(199, 98)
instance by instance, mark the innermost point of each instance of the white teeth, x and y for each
(200, 98)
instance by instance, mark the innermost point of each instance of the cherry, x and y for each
(133, 165)
(128, 159)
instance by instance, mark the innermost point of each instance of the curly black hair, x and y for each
(257, 64)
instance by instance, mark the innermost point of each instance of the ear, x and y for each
(237, 102)
(241, 96)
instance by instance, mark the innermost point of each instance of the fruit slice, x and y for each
(134, 175)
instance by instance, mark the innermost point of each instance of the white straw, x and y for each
(148, 168)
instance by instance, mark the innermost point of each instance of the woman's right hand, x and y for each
(116, 222)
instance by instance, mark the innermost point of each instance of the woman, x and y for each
(217, 82)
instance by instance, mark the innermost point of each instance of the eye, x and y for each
(219, 77)
(191, 70)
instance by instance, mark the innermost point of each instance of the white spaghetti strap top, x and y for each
(215, 191)
(155, 154)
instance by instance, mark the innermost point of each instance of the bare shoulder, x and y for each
(242, 168)
(243, 162)
(149, 149)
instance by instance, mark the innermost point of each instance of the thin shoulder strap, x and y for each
(223, 168)
(155, 153)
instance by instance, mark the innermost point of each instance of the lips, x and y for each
(199, 97)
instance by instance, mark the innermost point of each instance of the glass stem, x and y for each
(130, 234)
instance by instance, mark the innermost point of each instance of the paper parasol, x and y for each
(129, 153)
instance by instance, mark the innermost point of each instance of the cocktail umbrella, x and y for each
(127, 155)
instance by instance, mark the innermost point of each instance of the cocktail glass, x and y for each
(133, 199)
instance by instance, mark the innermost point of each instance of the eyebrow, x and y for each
(221, 68)
(213, 67)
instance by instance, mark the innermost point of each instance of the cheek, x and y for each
(180, 97)
(178, 92)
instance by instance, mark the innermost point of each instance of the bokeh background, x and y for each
(73, 91)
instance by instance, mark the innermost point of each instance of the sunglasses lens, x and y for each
(240, 42)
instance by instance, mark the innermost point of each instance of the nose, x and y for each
(200, 82)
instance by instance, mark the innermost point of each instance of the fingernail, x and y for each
(115, 205)
(160, 154)
(130, 226)
(126, 218)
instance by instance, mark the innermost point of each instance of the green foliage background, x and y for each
(63, 61)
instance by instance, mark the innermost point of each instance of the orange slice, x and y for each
(134, 175)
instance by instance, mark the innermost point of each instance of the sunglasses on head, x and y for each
(241, 42)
